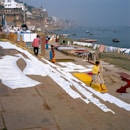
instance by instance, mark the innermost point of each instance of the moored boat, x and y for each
(87, 40)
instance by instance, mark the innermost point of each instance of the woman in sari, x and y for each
(52, 54)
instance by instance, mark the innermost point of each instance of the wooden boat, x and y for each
(87, 31)
(73, 34)
(115, 40)
(87, 40)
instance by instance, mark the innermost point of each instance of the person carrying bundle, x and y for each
(96, 75)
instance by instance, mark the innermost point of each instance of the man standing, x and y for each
(35, 45)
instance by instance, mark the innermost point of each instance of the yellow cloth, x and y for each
(87, 79)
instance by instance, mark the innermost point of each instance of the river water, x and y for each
(103, 35)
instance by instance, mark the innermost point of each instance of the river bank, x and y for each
(60, 101)
(110, 54)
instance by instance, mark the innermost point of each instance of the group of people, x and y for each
(96, 70)
(36, 43)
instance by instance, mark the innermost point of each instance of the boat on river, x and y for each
(115, 40)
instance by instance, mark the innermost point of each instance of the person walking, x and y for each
(89, 56)
(35, 44)
(52, 54)
(96, 75)
(18, 35)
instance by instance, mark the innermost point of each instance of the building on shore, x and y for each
(18, 14)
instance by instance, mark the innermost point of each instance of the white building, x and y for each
(12, 4)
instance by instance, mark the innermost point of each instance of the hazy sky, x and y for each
(88, 12)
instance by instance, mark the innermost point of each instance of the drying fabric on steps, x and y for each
(84, 77)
